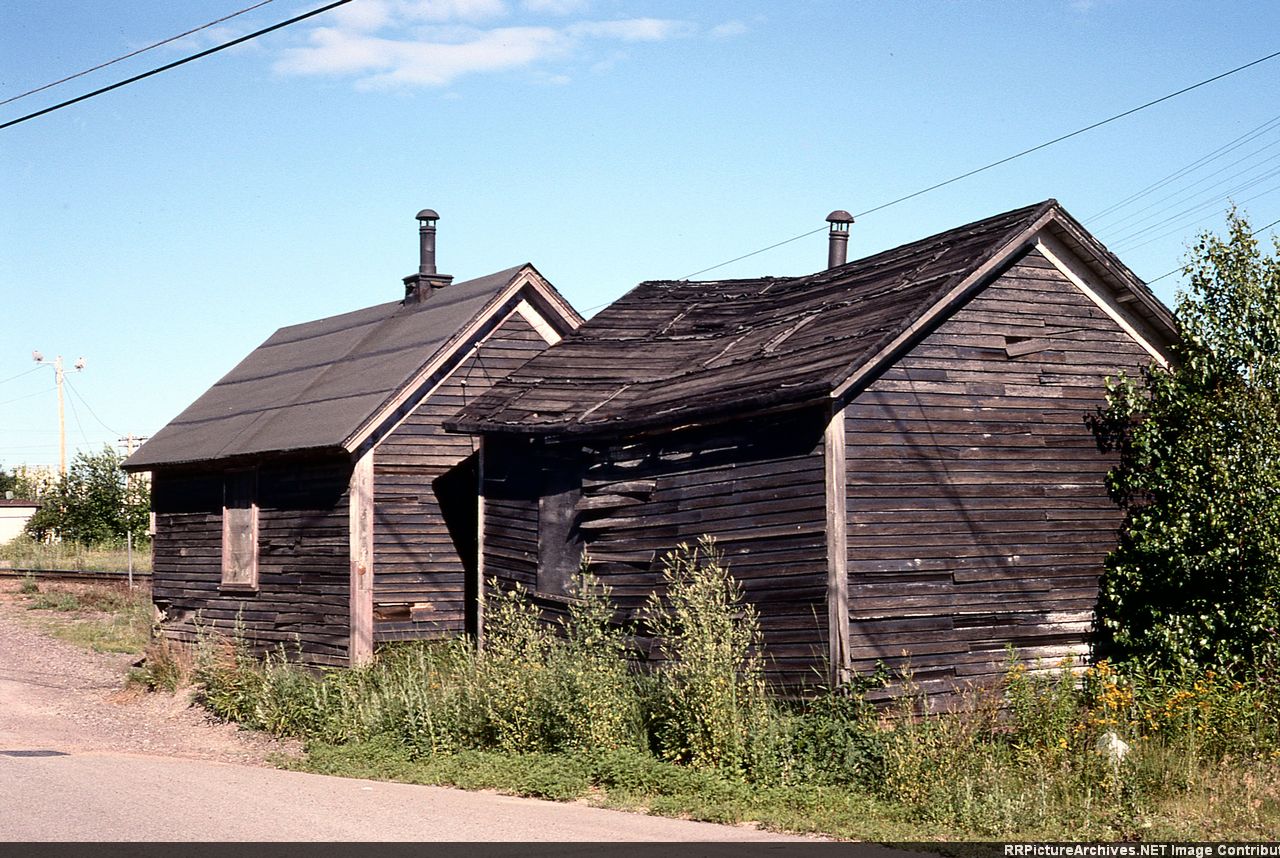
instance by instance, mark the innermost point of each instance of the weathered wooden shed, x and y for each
(312, 497)
(892, 453)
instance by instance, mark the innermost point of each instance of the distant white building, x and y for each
(14, 515)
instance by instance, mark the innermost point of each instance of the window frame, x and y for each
(233, 579)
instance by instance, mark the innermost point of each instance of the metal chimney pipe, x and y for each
(427, 241)
(838, 237)
(418, 287)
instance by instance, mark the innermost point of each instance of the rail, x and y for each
(74, 575)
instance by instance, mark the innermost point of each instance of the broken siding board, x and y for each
(956, 485)
(766, 507)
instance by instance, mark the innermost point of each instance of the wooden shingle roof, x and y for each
(674, 352)
(312, 387)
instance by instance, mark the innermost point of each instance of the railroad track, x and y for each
(74, 575)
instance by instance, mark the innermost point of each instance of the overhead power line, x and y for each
(76, 414)
(1154, 233)
(173, 65)
(85, 403)
(150, 47)
(1220, 152)
(1000, 162)
(1181, 267)
(19, 375)
(28, 396)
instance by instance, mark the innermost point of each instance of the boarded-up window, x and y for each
(559, 540)
(240, 530)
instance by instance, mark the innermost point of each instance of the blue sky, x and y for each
(165, 229)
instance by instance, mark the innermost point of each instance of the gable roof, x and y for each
(674, 352)
(314, 386)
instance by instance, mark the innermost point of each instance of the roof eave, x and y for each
(526, 277)
(801, 396)
(1117, 274)
(854, 374)
(133, 466)
(1053, 218)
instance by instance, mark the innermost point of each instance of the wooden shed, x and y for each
(892, 453)
(311, 496)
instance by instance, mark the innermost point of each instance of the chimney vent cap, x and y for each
(839, 216)
(427, 214)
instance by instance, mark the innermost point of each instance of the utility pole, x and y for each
(130, 441)
(59, 376)
(62, 419)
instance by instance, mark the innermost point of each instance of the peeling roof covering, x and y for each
(670, 352)
(312, 386)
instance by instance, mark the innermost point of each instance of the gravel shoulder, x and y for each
(55, 696)
(113, 764)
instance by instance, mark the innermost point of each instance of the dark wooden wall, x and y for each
(303, 560)
(425, 499)
(756, 485)
(977, 511)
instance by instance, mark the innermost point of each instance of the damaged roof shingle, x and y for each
(675, 351)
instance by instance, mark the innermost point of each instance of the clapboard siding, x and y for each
(756, 487)
(303, 560)
(977, 512)
(425, 515)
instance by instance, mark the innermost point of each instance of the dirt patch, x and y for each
(55, 696)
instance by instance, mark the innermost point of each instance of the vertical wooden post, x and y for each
(360, 649)
(833, 450)
(480, 551)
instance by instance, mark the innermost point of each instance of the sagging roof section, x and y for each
(674, 352)
(311, 387)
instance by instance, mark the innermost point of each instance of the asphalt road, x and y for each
(115, 797)
(79, 760)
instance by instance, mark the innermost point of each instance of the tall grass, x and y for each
(571, 707)
(534, 688)
(101, 617)
(23, 552)
(1038, 755)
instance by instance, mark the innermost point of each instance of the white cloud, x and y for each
(728, 30)
(384, 62)
(435, 42)
(453, 10)
(363, 15)
(555, 7)
(632, 29)
(369, 15)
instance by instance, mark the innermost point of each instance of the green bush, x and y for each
(833, 739)
(1195, 579)
(710, 707)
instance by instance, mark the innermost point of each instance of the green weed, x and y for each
(569, 710)
(104, 618)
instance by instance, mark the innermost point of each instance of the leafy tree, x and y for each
(8, 482)
(1195, 580)
(93, 503)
